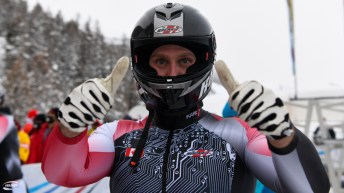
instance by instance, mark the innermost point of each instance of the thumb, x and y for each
(225, 76)
(112, 81)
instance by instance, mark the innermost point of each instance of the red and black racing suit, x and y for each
(195, 152)
(10, 167)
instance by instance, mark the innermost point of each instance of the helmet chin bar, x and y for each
(171, 96)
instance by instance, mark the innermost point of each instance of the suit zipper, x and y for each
(165, 161)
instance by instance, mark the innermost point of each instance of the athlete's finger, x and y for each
(225, 76)
(112, 81)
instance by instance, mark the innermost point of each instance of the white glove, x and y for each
(92, 99)
(258, 106)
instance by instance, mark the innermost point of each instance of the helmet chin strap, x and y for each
(139, 148)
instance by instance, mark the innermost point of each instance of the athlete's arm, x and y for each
(67, 132)
(80, 160)
(284, 142)
(299, 167)
(294, 168)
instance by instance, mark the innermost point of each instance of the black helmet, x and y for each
(180, 25)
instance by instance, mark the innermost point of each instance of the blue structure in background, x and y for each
(228, 111)
(260, 188)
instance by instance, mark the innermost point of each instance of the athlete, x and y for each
(11, 176)
(180, 147)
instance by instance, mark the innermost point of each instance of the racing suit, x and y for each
(10, 167)
(192, 152)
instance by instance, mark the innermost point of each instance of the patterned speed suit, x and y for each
(194, 152)
(10, 168)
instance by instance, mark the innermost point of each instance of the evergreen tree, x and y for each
(44, 58)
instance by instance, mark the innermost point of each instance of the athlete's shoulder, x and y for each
(6, 125)
(119, 127)
(127, 126)
(212, 118)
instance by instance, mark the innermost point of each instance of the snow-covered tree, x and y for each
(42, 58)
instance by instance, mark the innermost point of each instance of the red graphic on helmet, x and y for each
(168, 29)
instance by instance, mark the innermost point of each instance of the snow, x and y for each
(216, 99)
(138, 111)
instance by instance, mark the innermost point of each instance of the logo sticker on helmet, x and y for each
(168, 29)
(205, 86)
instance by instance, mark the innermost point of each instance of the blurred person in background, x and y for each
(51, 120)
(11, 176)
(36, 138)
(24, 145)
(27, 128)
(30, 115)
(24, 141)
(28, 125)
(318, 137)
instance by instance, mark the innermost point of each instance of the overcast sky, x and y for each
(252, 37)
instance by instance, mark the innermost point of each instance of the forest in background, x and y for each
(43, 57)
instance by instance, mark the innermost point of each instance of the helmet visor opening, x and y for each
(141, 56)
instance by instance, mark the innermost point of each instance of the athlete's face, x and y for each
(171, 60)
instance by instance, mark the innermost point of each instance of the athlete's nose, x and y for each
(174, 69)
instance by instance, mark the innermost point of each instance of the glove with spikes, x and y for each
(256, 105)
(92, 99)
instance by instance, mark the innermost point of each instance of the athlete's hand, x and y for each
(255, 104)
(92, 99)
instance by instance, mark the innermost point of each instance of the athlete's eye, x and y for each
(160, 61)
(185, 61)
